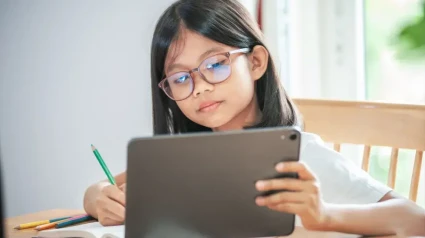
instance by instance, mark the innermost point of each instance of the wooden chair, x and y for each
(370, 124)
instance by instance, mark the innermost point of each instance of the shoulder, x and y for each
(341, 180)
(320, 158)
(313, 150)
(313, 147)
(310, 138)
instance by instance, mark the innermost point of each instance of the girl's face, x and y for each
(230, 104)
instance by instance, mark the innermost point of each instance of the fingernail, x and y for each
(259, 201)
(280, 166)
(260, 184)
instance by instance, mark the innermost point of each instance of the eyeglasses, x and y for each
(213, 70)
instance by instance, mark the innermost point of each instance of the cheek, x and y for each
(184, 106)
(240, 82)
(241, 69)
(187, 108)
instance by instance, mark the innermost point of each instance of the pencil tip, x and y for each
(16, 227)
(92, 147)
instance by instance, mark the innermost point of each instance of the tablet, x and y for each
(203, 184)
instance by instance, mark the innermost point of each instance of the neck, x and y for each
(249, 116)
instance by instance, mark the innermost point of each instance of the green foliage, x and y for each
(411, 38)
(389, 29)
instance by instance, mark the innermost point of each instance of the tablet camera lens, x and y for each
(293, 137)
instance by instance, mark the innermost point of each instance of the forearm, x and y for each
(394, 216)
(90, 196)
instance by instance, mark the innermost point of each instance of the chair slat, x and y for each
(369, 124)
(337, 147)
(393, 168)
(366, 158)
(414, 184)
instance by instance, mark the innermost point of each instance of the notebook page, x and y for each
(107, 231)
(94, 228)
(114, 235)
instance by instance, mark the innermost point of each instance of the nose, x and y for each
(201, 85)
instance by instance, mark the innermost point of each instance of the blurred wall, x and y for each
(72, 73)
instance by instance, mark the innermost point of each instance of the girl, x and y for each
(212, 72)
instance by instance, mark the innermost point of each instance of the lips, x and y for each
(208, 106)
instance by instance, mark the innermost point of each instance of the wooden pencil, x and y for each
(54, 224)
(38, 223)
(73, 221)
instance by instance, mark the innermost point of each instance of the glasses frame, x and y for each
(190, 72)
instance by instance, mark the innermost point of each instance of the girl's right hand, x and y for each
(110, 205)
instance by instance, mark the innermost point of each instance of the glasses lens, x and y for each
(216, 69)
(178, 86)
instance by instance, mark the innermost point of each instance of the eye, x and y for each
(215, 65)
(181, 79)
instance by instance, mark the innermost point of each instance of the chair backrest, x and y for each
(399, 126)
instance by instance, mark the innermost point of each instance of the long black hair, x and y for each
(227, 22)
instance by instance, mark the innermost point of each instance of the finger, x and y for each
(282, 184)
(302, 169)
(111, 215)
(105, 217)
(282, 197)
(293, 208)
(114, 193)
(115, 210)
(115, 217)
(106, 221)
(123, 187)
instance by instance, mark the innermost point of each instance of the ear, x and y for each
(258, 61)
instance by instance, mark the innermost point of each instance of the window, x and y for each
(275, 26)
(251, 5)
(392, 78)
(345, 50)
(388, 77)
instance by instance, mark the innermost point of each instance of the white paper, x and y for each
(94, 229)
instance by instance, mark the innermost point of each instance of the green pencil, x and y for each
(73, 221)
(102, 163)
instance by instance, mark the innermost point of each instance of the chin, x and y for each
(214, 122)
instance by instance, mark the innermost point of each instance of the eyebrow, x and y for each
(201, 57)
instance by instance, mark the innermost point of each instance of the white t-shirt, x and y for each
(341, 181)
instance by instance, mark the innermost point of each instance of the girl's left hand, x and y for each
(302, 199)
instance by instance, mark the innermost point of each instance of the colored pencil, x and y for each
(38, 223)
(74, 221)
(103, 165)
(46, 226)
(54, 224)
